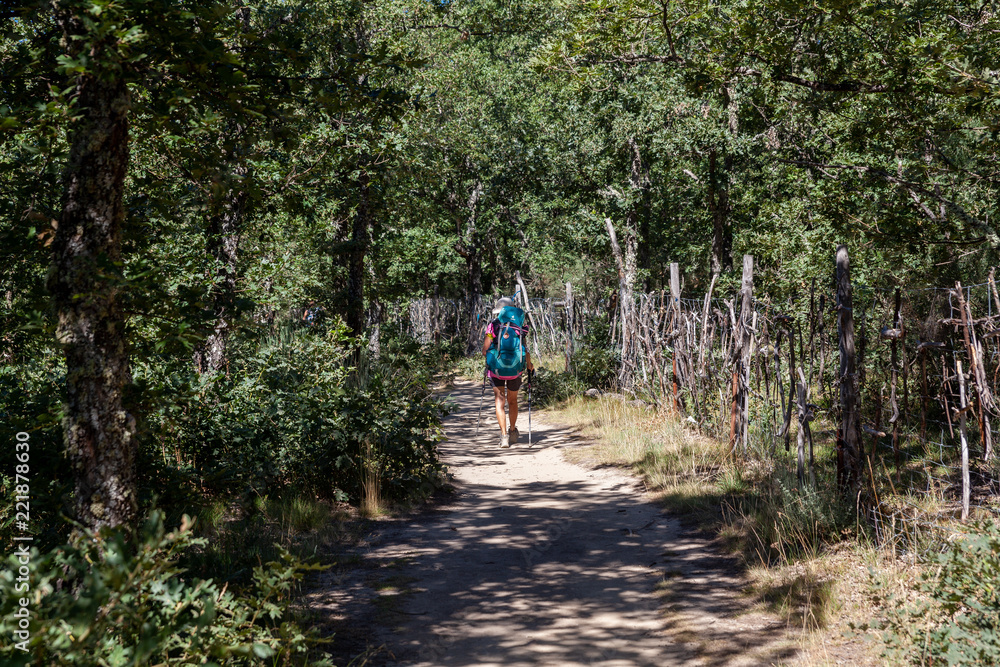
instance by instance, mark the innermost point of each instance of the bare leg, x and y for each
(512, 407)
(498, 395)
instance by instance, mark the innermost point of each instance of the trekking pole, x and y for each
(481, 396)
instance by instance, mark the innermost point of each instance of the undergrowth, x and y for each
(107, 599)
(952, 614)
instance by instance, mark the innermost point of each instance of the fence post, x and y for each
(977, 371)
(675, 307)
(963, 407)
(849, 444)
(896, 333)
(570, 343)
(801, 435)
(740, 426)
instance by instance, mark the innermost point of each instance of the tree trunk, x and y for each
(469, 249)
(98, 431)
(360, 238)
(570, 341)
(675, 321)
(849, 463)
(722, 229)
(641, 210)
(374, 316)
(742, 336)
(626, 302)
(223, 247)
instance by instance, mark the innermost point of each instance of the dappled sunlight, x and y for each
(537, 561)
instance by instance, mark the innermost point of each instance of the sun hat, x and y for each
(501, 303)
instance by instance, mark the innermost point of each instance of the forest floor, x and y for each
(533, 560)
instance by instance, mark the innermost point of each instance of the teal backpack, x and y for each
(506, 356)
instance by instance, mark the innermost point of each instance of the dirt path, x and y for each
(536, 561)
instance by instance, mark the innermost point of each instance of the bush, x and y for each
(471, 368)
(596, 362)
(300, 412)
(550, 387)
(97, 600)
(956, 620)
(596, 367)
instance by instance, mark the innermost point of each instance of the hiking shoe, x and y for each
(504, 442)
(514, 435)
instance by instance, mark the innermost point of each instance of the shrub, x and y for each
(551, 386)
(296, 413)
(98, 600)
(595, 361)
(956, 618)
(30, 401)
(471, 368)
(596, 367)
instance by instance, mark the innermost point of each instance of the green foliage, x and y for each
(295, 413)
(778, 520)
(818, 514)
(102, 599)
(471, 368)
(955, 619)
(30, 403)
(596, 361)
(245, 532)
(551, 387)
(436, 148)
(596, 367)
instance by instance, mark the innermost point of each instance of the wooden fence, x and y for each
(901, 384)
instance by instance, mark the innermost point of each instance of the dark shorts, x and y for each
(513, 384)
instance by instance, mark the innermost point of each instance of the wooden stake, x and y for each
(966, 491)
(791, 382)
(801, 435)
(978, 372)
(945, 392)
(849, 476)
(993, 289)
(822, 345)
(923, 397)
(675, 305)
(570, 343)
(704, 326)
(894, 419)
(741, 358)
(527, 309)
(812, 328)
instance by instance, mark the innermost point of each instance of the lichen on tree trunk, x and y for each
(98, 431)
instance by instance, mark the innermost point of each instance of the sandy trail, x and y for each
(537, 561)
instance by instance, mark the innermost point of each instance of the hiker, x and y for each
(506, 337)
(311, 314)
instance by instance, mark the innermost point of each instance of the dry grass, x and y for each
(683, 468)
(372, 503)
